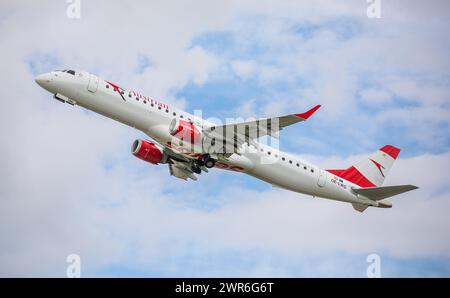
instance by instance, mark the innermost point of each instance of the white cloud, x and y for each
(421, 91)
(69, 185)
(247, 109)
(375, 96)
(201, 64)
(243, 69)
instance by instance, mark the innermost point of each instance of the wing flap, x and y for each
(181, 172)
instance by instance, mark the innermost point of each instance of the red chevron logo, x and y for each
(118, 89)
(378, 166)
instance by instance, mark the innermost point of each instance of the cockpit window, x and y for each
(72, 72)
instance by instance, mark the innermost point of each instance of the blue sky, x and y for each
(70, 185)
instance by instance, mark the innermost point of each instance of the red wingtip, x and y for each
(308, 114)
(391, 151)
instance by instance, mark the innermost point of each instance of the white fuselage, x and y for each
(153, 117)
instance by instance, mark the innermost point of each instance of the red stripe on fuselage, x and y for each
(353, 175)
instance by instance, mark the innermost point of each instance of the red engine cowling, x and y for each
(147, 151)
(185, 131)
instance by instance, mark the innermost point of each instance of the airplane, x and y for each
(190, 145)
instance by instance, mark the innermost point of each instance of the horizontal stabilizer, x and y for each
(379, 193)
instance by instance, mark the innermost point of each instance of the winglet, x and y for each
(308, 114)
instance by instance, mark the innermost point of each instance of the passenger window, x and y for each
(71, 72)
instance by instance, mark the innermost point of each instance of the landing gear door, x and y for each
(93, 83)
(322, 178)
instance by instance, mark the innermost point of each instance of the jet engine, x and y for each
(148, 151)
(185, 131)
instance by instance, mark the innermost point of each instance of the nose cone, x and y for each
(43, 80)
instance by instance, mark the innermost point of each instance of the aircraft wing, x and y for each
(247, 132)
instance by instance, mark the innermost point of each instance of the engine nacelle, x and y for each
(185, 131)
(147, 151)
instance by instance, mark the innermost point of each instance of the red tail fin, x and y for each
(371, 171)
